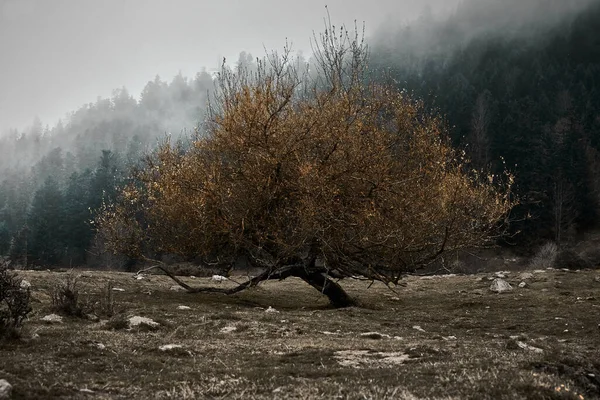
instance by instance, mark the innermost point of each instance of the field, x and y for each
(435, 338)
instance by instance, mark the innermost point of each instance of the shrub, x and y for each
(66, 298)
(570, 259)
(14, 302)
(545, 257)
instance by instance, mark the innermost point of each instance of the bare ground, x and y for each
(439, 338)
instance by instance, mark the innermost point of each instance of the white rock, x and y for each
(418, 328)
(25, 284)
(139, 277)
(500, 275)
(168, 347)
(539, 271)
(137, 321)
(523, 285)
(374, 335)
(219, 278)
(184, 308)
(271, 310)
(118, 289)
(176, 288)
(100, 346)
(500, 286)
(525, 276)
(5, 389)
(449, 337)
(228, 329)
(53, 319)
(525, 346)
(89, 391)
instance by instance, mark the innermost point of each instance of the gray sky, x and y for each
(56, 55)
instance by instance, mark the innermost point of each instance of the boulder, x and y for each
(500, 286)
(526, 276)
(137, 321)
(5, 389)
(523, 285)
(25, 284)
(53, 319)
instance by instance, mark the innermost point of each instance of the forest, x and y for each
(520, 94)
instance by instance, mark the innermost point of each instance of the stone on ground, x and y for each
(53, 319)
(500, 286)
(138, 321)
(5, 389)
(168, 347)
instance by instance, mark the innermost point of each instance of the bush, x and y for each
(14, 302)
(66, 298)
(545, 257)
(571, 260)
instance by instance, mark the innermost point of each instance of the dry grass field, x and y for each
(435, 338)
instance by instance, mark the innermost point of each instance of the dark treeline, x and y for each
(519, 91)
(519, 83)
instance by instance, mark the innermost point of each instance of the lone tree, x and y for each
(317, 175)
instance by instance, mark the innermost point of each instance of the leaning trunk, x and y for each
(324, 284)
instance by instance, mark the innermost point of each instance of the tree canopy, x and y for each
(310, 175)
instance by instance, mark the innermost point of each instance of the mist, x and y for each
(58, 55)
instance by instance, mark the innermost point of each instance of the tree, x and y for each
(319, 180)
(46, 224)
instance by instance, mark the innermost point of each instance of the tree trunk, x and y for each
(320, 281)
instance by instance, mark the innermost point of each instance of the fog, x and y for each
(57, 55)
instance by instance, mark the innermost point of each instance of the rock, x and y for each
(100, 346)
(418, 328)
(176, 288)
(374, 335)
(88, 391)
(184, 308)
(140, 277)
(118, 289)
(5, 389)
(523, 285)
(218, 278)
(137, 321)
(168, 347)
(500, 286)
(53, 319)
(526, 276)
(25, 284)
(500, 275)
(525, 346)
(597, 279)
(449, 338)
(271, 310)
(228, 329)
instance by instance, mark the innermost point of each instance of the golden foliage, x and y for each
(355, 174)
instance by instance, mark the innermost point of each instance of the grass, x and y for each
(468, 345)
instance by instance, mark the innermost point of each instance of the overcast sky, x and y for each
(56, 55)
